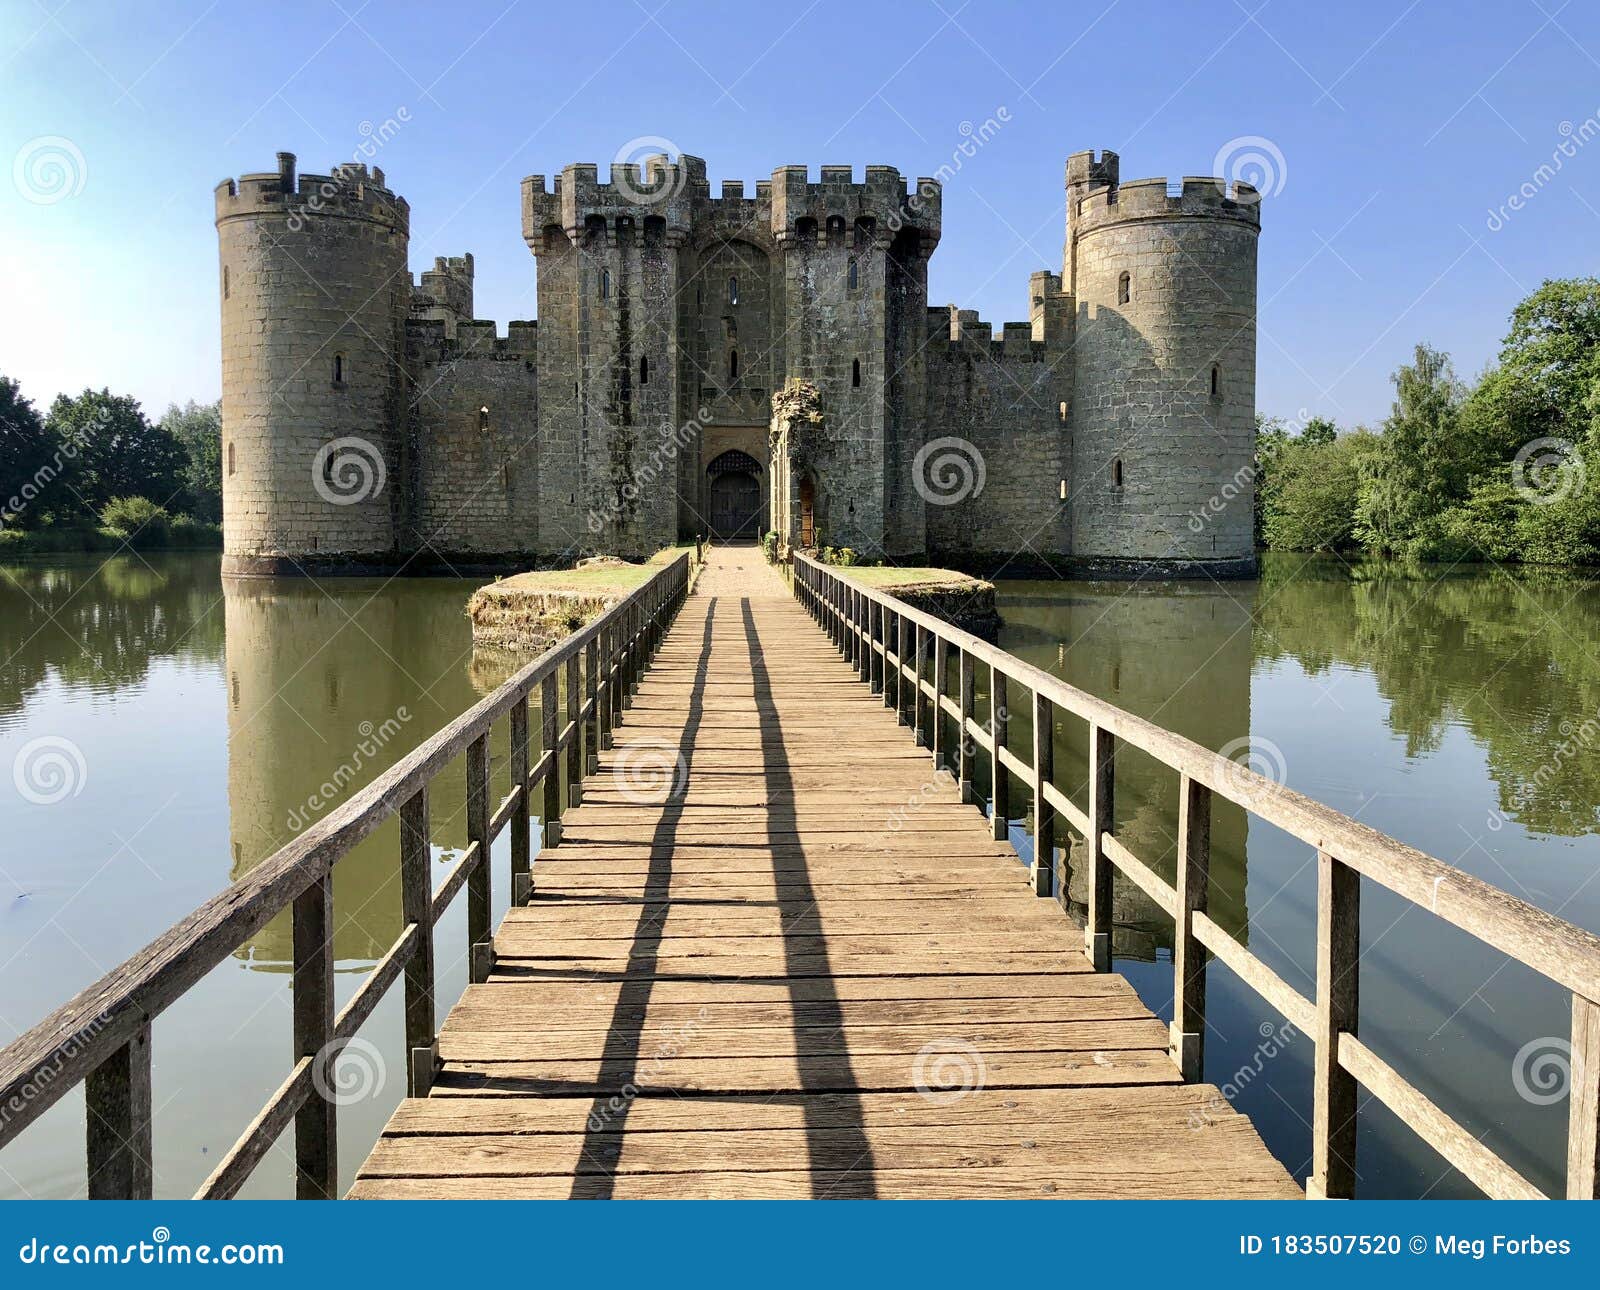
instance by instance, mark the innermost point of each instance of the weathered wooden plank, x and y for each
(1179, 1105)
(680, 1073)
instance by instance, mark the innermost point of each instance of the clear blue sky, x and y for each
(1401, 127)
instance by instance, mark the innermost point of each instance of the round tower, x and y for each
(1163, 407)
(315, 290)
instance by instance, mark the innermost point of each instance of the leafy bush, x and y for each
(769, 546)
(137, 520)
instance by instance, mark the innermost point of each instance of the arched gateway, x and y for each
(737, 501)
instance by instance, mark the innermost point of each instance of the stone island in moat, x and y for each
(734, 363)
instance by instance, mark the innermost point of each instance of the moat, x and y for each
(1457, 714)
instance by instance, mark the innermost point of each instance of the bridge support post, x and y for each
(1333, 1089)
(1044, 820)
(999, 721)
(1188, 955)
(1583, 1115)
(941, 665)
(1102, 794)
(480, 946)
(316, 1134)
(117, 1096)
(416, 904)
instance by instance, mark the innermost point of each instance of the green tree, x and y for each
(1546, 381)
(198, 427)
(115, 451)
(1271, 435)
(25, 457)
(1316, 484)
(1422, 464)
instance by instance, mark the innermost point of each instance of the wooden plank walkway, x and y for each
(736, 979)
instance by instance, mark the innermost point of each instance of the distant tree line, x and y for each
(94, 469)
(1505, 469)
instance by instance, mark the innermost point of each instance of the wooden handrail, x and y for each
(101, 1037)
(873, 625)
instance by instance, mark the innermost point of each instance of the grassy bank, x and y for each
(529, 612)
(958, 598)
(181, 535)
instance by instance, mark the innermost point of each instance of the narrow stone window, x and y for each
(483, 417)
(230, 458)
(1061, 412)
(1116, 473)
(733, 291)
(644, 370)
(605, 284)
(733, 365)
(224, 281)
(1216, 382)
(1124, 288)
(1063, 490)
(855, 372)
(855, 274)
(338, 369)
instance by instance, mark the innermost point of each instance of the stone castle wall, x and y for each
(1005, 397)
(1104, 427)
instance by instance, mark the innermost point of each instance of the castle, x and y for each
(733, 363)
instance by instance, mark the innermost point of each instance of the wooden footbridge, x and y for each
(765, 951)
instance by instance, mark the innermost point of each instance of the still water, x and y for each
(162, 731)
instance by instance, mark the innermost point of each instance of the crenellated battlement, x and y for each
(881, 206)
(349, 191)
(428, 340)
(969, 337)
(635, 196)
(1201, 197)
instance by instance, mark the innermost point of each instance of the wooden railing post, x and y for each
(1188, 956)
(1044, 820)
(903, 662)
(118, 1138)
(1000, 815)
(965, 748)
(551, 737)
(521, 813)
(875, 646)
(1583, 1107)
(416, 905)
(603, 708)
(1102, 795)
(892, 658)
(576, 762)
(316, 1131)
(480, 943)
(919, 735)
(1333, 1089)
(591, 697)
(863, 640)
(941, 665)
